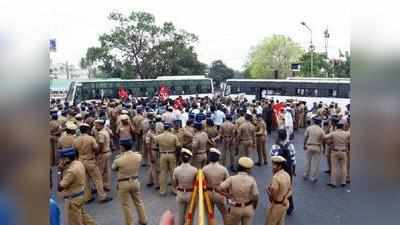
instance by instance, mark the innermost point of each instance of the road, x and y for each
(315, 204)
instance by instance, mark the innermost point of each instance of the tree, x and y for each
(320, 61)
(137, 48)
(341, 67)
(220, 72)
(275, 53)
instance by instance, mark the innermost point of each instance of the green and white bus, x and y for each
(185, 86)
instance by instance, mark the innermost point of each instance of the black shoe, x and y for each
(107, 189)
(107, 199)
(327, 171)
(331, 185)
(94, 191)
(258, 164)
(150, 184)
(343, 185)
(157, 188)
(265, 163)
(348, 182)
(144, 165)
(233, 169)
(290, 212)
(89, 201)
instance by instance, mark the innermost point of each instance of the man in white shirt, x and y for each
(288, 122)
(219, 117)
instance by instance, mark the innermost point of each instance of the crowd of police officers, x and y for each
(175, 138)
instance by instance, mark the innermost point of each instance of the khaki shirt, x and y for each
(215, 174)
(188, 134)
(340, 139)
(137, 122)
(179, 134)
(242, 188)
(149, 139)
(184, 175)
(125, 131)
(159, 127)
(103, 137)
(74, 177)
(281, 186)
(66, 141)
(62, 120)
(227, 129)
(127, 164)
(314, 137)
(261, 128)
(167, 142)
(212, 132)
(247, 132)
(240, 121)
(54, 127)
(200, 141)
(86, 146)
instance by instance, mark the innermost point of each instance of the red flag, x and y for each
(122, 93)
(163, 92)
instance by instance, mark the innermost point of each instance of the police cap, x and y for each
(186, 151)
(278, 159)
(246, 162)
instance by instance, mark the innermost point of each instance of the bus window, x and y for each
(316, 92)
(332, 92)
(143, 91)
(252, 90)
(198, 89)
(186, 89)
(228, 89)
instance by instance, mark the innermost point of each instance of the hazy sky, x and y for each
(226, 29)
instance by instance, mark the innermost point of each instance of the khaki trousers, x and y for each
(167, 166)
(244, 148)
(183, 201)
(219, 201)
(93, 173)
(130, 190)
(104, 164)
(228, 148)
(75, 214)
(199, 160)
(348, 166)
(154, 171)
(261, 149)
(339, 161)
(241, 215)
(313, 158)
(276, 214)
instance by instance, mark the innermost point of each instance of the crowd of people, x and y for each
(175, 138)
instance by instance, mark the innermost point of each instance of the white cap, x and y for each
(124, 117)
(215, 151)
(187, 151)
(71, 126)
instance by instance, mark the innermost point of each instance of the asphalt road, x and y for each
(315, 204)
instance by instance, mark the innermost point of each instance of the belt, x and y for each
(228, 136)
(314, 144)
(199, 153)
(185, 189)
(238, 204)
(88, 159)
(74, 195)
(217, 191)
(170, 152)
(105, 152)
(127, 178)
(337, 150)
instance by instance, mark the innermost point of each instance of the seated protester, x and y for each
(286, 149)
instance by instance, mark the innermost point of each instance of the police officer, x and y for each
(246, 136)
(137, 122)
(154, 158)
(104, 154)
(183, 178)
(199, 146)
(227, 132)
(313, 140)
(340, 140)
(243, 194)
(87, 148)
(215, 174)
(261, 134)
(212, 133)
(278, 192)
(68, 137)
(127, 166)
(72, 186)
(188, 134)
(125, 129)
(55, 131)
(168, 143)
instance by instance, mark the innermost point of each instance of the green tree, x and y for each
(220, 72)
(320, 61)
(275, 53)
(341, 66)
(138, 48)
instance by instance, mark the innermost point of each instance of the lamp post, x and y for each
(311, 46)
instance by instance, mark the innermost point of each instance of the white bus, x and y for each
(309, 90)
(184, 86)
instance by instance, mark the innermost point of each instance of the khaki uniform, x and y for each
(137, 122)
(55, 129)
(340, 140)
(199, 149)
(281, 186)
(154, 171)
(261, 134)
(246, 137)
(243, 193)
(215, 174)
(228, 130)
(212, 133)
(348, 159)
(313, 140)
(127, 166)
(65, 141)
(86, 146)
(104, 157)
(145, 126)
(73, 183)
(168, 143)
(183, 178)
(62, 120)
(328, 149)
(187, 139)
(159, 127)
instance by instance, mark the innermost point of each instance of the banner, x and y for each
(163, 93)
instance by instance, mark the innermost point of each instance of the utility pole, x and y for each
(311, 47)
(326, 36)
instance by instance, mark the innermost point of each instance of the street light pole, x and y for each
(311, 47)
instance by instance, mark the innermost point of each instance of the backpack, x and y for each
(285, 153)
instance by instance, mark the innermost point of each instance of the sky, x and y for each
(227, 30)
